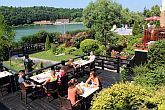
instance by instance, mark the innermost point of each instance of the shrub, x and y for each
(53, 49)
(156, 54)
(152, 78)
(88, 45)
(121, 97)
(78, 52)
(125, 73)
(47, 44)
(61, 49)
(70, 50)
(141, 70)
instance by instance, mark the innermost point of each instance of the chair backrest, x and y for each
(100, 85)
(65, 103)
(64, 80)
(52, 85)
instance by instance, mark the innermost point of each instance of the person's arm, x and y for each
(97, 82)
(88, 80)
(48, 80)
(79, 90)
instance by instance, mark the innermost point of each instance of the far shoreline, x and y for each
(24, 25)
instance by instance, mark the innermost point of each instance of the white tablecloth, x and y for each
(4, 74)
(88, 90)
(82, 62)
(40, 78)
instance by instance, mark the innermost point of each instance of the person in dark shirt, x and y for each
(28, 63)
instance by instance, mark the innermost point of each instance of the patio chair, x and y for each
(5, 84)
(25, 91)
(89, 68)
(63, 88)
(66, 104)
(51, 89)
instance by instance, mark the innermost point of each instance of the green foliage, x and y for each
(141, 70)
(53, 48)
(101, 50)
(88, 45)
(70, 50)
(154, 11)
(125, 73)
(74, 32)
(6, 38)
(122, 97)
(156, 54)
(61, 49)
(40, 37)
(153, 78)
(100, 16)
(78, 52)
(47, 44)
(135, 30)
(27, 15)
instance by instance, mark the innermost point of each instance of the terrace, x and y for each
(106, 68)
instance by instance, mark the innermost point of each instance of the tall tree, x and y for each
(6, 38)
(101, 16)
(47, 44)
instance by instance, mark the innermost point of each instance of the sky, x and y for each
(133, 5)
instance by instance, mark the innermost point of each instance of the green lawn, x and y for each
(48, 55)
(15, 64)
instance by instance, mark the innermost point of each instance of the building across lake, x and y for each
(58, 21)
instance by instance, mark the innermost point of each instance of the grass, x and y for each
(48, 55)
(15, 64)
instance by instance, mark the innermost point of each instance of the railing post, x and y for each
(118, 64)
(102, 64)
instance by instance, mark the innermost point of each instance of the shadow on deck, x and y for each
(12, 101)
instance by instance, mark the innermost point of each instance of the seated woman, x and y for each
(70, 64)
(52, 78)
(74, 91)
(61, 74)
(94, 80)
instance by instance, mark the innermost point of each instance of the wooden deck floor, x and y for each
(12, 101)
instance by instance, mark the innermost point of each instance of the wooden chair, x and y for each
(90, 67)
(25, 91)
(51, 89)
(5, 84)
(66, 104)
(63, 88)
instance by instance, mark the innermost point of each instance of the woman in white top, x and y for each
(91, 57)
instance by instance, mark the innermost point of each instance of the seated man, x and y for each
(22, 79)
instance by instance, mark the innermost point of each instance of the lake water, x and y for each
(30, 30)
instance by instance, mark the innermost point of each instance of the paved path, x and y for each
(36, 60)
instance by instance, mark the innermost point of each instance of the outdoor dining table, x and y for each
(42, 77)
(88, 90)
(82, 62)
(4, 74)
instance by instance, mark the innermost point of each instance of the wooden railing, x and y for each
(102, 62)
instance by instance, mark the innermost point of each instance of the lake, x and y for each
(30, 30)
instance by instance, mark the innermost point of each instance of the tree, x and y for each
(47, 44)
(101, 16)
(6, 39)
(135, 29)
